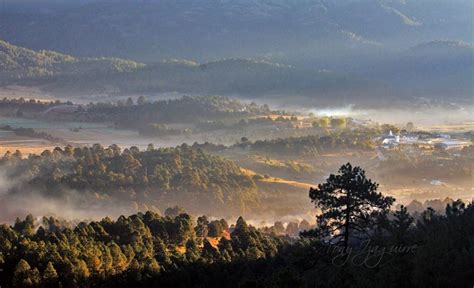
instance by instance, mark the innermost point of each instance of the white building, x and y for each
(390, 140)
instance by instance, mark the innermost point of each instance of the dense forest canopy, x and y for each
(139, 113)
(132, 250)
(148, 250)
(314, 145)
(19, 63)
(181, 110)
(158, 177)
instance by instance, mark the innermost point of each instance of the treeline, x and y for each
(30, 132)
(355, 139)
(435, 251)
(147, 250)
(312, 145)
(416, 207)
(183, 110)
(21, 107)
(132, 251)
(300, 146)
(140, 113)
(160, 177)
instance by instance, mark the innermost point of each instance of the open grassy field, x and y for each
(24, 148)
(450, 128)
(11, 142)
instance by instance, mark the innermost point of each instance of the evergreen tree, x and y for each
(348, 202)
(215, 228)
(401, 224)
(202, 228)
(209, 253)
(24, 276)
(50, 276)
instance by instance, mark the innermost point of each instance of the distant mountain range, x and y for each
(63, 74)
(330, 51)
(436, 69)
(207, 30)
(423, 71)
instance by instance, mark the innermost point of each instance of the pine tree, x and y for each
(50, 276)
(161, 252)
(210, 253)
(22, 276)
(348, 202)
(192, 250)
(202, 229)
(401, 224)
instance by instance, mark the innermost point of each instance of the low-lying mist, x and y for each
(422, 111)
(69, 207)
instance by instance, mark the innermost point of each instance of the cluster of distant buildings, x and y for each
(441, 141)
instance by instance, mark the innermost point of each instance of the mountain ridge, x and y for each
(149, 31)
(18, 62)
(440, 74)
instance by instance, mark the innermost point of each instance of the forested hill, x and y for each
(139, 113)
(156, 177)
(148, 250)
(131, 251)
(18, 62)
(440, 72)
(181, 110)
(68, 75)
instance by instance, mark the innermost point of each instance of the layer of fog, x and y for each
(424, 114)
(77, 206)
(420, 111)
(398, 116)
(18, 200)
(70, 206)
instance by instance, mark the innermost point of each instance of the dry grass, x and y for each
(276, 180)
(449, 128)
(24, 145)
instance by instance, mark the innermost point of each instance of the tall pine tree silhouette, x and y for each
(348, 202)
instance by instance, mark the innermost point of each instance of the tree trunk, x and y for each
(347, 223)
